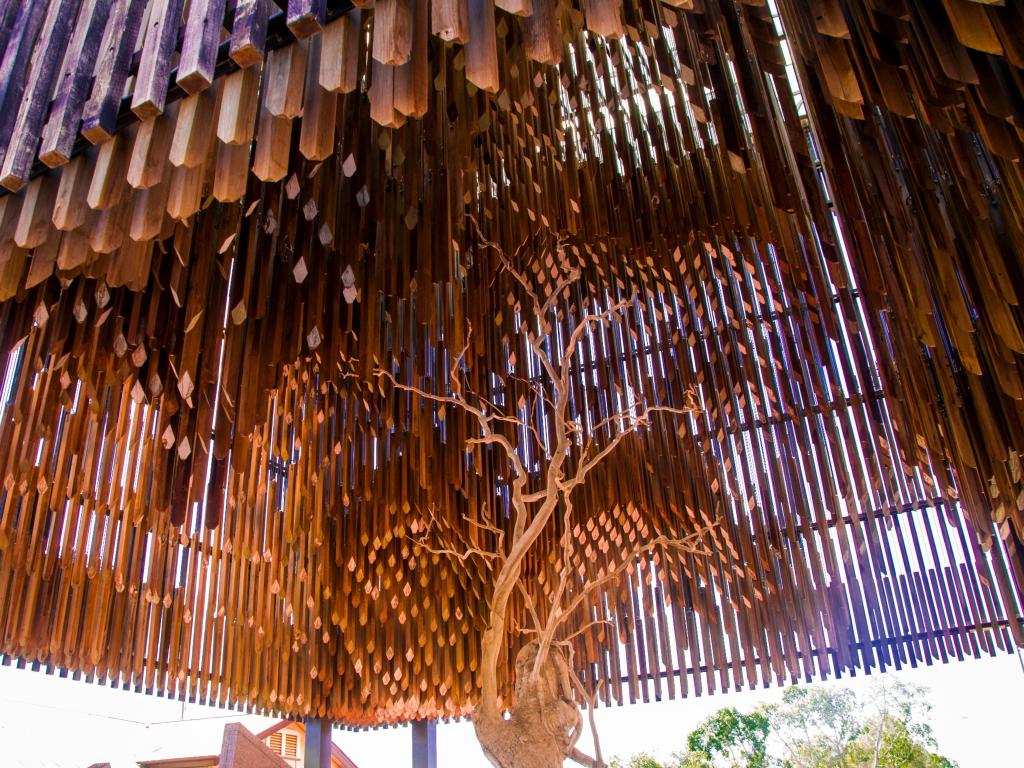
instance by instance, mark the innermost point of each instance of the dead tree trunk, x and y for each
(545, 720)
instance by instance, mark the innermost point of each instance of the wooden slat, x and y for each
(249, 32)
(199, 45)
(72, 89)
(306, 17)
(339, 60)
(449, 20)
(161, 34)
(99, 118)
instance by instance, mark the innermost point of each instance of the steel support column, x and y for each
(318, 743)
(424, 744)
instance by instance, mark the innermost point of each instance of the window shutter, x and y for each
(291, 745)
(275, 743)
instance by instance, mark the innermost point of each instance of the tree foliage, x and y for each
(815, 727)
(642, 760)
(731, 738)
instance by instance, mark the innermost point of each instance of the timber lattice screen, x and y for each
(207, 493)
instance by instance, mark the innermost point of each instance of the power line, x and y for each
(144, 723)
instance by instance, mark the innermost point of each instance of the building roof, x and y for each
(191, 738)
(337, 753)
(186, 753)
(199, 761)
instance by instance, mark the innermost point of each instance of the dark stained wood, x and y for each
(100, 114)
(150, 92)
(199, 44)
(14, 63)
(249, 32)
(46, 62)
(72, 90)
(306, 17)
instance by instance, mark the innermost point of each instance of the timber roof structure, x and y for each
(221, 217)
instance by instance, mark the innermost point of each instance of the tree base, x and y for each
(545, 721)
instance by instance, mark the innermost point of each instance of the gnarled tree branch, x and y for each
(545, 680)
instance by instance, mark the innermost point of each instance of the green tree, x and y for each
(729, 738)
(896, 733)
(642, 760)
(816, 726)
(828, 727)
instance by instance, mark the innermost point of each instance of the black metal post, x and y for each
(424, 744)
(318, 743)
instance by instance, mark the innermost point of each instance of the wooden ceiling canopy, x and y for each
(221, 216)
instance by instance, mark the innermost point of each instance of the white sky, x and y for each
(46, 722)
